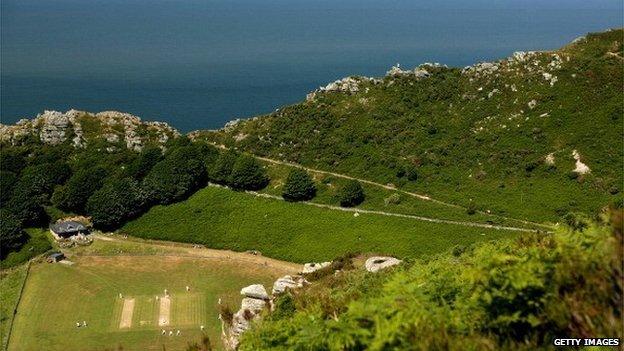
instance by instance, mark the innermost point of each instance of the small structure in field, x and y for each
(67, 229)
(56, 257)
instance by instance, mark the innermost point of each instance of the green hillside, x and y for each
(501, 134)
(224, 219)
(505, 295)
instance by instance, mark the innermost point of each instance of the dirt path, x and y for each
(357, 211)
(195, 251)
(126, 314)
(409, 193)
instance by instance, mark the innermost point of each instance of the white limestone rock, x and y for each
(256, 291)
(314, 266)
(580, 167)
(288, 282)
(377, 263)
(253, 305)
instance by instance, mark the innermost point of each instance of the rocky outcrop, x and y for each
(254, 302)
(348, 85)
(580, 167)
(377, 263)
(288, 282)
(418, 72)
(256, 291)
(314, 266)
(53, 128)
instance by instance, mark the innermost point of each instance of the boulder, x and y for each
(287, 282)
(314, 266)
(376, 263)
(255, 291)
(253, 305)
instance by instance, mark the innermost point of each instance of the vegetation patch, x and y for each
(223, 219)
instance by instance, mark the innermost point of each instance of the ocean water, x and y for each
(197, 64)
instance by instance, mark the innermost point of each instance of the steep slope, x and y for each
(505, 295)
(533, 136)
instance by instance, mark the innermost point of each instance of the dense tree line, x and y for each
(110, 186)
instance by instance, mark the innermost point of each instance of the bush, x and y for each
(472, 208)
(393, 199)
(248, 174)
(117, 201)
(351, 194)
(177, 176)
(73, 196)
(411, 172)
(222, 169)
(299, 186)
(11, 234)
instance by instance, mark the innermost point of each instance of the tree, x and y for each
(74, 194)
(181, 172)
(299, 186)
(222, 169)
(351, 194)
(40, 179)
(248, 174)
(7, 182)
(27, 208)
(12, 159)
(117, 201)
(11, 234)
(143, 164)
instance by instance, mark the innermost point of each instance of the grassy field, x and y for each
(56, 296)
(11, 281)
(223, 219)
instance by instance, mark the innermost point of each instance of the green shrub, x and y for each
(248, 174)
(351, 194)
(393, 199)
(299, 186)
(471, 208)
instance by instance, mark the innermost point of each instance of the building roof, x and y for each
(67, 227)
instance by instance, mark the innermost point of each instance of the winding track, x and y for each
(389, 187)
(392, 214)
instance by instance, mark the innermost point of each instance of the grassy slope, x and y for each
(56, 296)
(328, 185)
(223, 219)
(37, 244)
(512, 295)
(11, 282)
(435, 124)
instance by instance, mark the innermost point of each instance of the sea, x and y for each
(197, 64)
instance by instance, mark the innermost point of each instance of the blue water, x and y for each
(197, 64)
